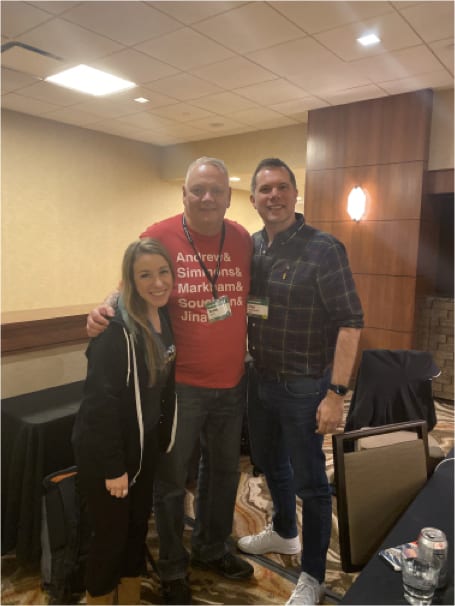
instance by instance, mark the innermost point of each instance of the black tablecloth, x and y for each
(36, 441)
(378, 583)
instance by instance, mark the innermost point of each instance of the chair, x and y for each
(375, 486)
(393, 386)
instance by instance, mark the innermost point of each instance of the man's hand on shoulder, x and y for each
(97, 320)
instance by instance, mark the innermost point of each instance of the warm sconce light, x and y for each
(356, 203)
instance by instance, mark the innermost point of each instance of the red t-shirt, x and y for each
(209, 354)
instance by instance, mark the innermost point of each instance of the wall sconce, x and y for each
(356, 203)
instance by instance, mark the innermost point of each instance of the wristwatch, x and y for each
(340, 390)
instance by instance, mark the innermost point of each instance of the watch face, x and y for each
(341, 390)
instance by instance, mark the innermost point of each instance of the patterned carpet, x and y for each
(274, 576)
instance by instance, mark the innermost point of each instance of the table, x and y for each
(378, 583)
(36, 441)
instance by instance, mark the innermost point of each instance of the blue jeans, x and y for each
(214, 416)
(282, 424)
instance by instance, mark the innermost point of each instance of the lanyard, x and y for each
(211, 279)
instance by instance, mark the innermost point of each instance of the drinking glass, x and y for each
(419, 580)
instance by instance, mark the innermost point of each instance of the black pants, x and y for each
(119, 526)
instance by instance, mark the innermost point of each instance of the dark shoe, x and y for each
(229, 566)
(177, 591)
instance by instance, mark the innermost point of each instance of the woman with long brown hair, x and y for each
(128, 410)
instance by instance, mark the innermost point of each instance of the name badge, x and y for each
(218, 309)
(258, 307)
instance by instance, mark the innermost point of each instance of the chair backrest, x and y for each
(374, 487)
(393, 386)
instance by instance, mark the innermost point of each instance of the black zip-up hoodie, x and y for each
(106, 434)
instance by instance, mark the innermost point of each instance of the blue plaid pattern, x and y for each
(305, 274)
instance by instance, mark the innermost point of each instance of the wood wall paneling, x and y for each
(18, 337)
(374, 338)
(378, 247)
(388, 301)
(394, 191)
(381, 145)
(379, 131)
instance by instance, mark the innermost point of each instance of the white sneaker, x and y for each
(269, 541)
(307, 592)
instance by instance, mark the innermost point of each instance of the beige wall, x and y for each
(241, 153)
(72, 199)
(27, 372)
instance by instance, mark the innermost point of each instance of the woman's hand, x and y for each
(118, 487)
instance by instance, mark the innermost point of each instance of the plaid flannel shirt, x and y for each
(306, 277)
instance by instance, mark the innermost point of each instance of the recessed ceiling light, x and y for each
(141, 100)
(234, 178)
(368, 40)
(89, 80)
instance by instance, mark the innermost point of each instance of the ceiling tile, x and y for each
(290, 58)
(297, 107)
(335, 75)
(224, 103)
(192, 12)
(183, 112)
(133, 65)
(28, 61)
(154, 99)
(179, 130)
(217, 125)
(297, 115)
(430, 80)
(54, 6)
(146, 120)
(392, 29)
(72, 115)
(121, 130)
(27, 105)
(399, 64)
(234, 73)
(431, 20)
(71, 42)
(183, 87)
(261, 115)
(123, 103)
(232, 66)
(185, 49)
(118, 22)
(12, 80)
(405, 3)
(249, 28)
(52, 93)
(315, 17)
(274, 91)
(100, 106)
(444, 51)
(18, 17)
(351, 95)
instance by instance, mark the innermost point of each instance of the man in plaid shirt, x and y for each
(305, 319)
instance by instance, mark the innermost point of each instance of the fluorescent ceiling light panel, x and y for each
(368, 40)
(141, 100)
(234, 178)
(89, 80)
